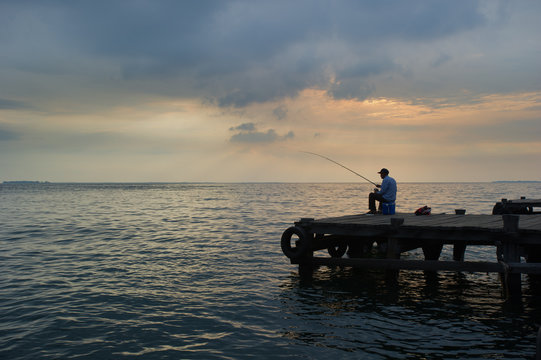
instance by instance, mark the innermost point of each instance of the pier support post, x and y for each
(538, 345)
(432, 251)
(393, 250)
(306, 267)
(512, 281)
(393, 247)
(458, 251)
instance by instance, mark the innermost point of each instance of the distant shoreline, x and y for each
(25, 182)
(517, 181)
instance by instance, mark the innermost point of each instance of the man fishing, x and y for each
(386, 192)
(387, 189)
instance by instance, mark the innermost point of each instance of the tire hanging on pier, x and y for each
(301, 245)
(337, 249)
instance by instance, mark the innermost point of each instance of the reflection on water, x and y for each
(416, 314)
(189, 271)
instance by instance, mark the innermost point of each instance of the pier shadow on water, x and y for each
(358, 313)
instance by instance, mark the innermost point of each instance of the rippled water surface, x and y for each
(182, 271)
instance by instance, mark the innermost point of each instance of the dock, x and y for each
(520, 206)
(377, 242)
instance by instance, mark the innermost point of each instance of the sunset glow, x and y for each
(455, 97)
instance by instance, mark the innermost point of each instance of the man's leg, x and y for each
(372, 202)
(372, 197)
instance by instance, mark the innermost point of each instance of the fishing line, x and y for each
(337, 163)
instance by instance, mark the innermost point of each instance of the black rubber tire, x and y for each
(498, 209)
(301, 245)
(338, 249)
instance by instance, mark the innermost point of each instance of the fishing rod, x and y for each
(337, 163)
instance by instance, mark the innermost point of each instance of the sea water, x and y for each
(195, 271)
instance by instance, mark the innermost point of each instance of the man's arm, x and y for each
(384, 186)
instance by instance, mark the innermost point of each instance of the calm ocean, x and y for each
(195, 271)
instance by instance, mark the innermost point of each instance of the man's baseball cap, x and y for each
(383, 171)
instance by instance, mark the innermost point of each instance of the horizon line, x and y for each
(32, 182)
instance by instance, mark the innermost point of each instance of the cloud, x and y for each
(255, 137)
(6, 104)
(7, 134)
(351, 89)
(235, 53)
(280, 112)
(244, 127)
(289, 135)
(441, 59)
(249, 134)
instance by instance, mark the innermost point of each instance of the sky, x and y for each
(235, 91)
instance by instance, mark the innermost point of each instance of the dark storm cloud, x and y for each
(232, 52)
(188, 31)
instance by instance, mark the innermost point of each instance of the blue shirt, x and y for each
(388, 189)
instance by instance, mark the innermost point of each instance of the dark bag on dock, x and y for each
(425, 210)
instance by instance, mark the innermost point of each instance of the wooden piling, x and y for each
(512, 281)
(306, 266)
(538, 345)
(459, 249)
